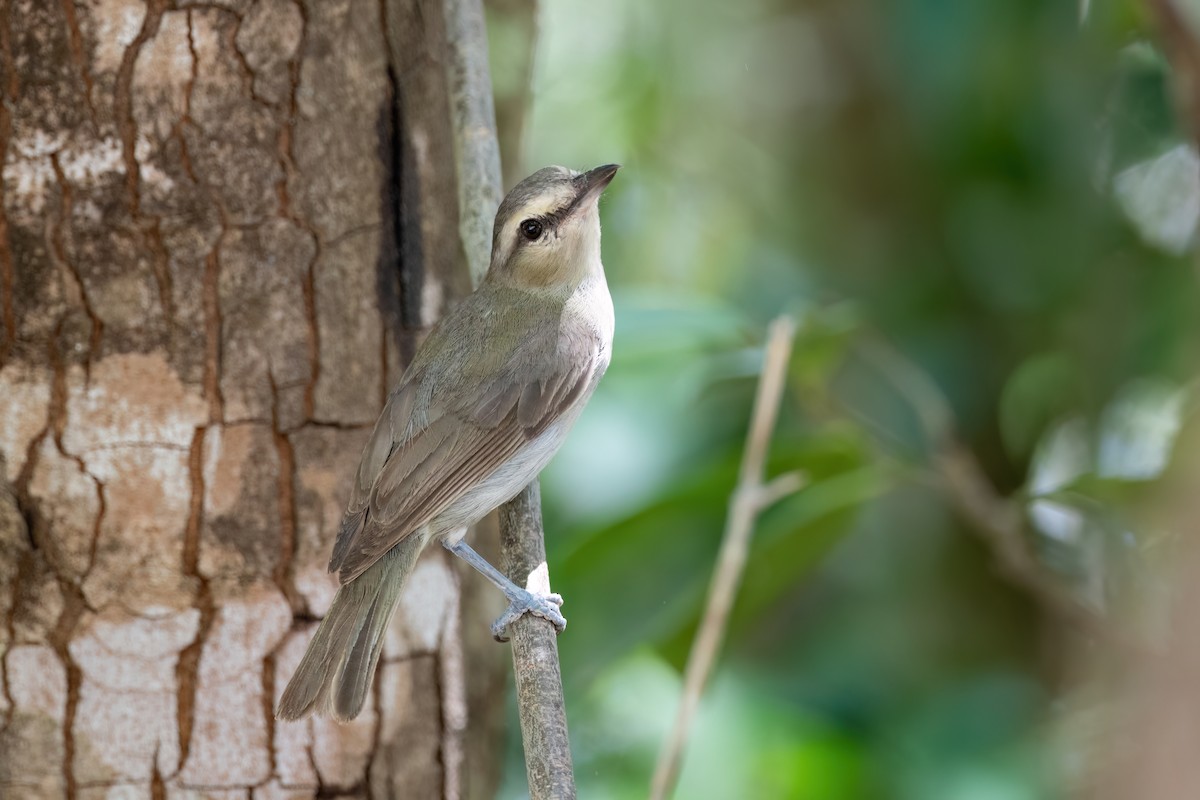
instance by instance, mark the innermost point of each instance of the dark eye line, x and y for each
(549, 221)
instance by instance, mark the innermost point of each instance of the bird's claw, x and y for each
(540, 605)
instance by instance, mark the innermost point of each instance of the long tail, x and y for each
(340, 661)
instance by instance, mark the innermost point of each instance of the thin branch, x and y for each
(750, 498)
(473, 117)
(535, 654)
(523, 553)
(780, 487)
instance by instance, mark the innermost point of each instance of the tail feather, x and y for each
(363, 655)
(336, 671)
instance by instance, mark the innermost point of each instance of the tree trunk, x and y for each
(225, 226)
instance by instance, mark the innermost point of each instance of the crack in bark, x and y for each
(212, 327)
(146, 225)
(123, 103)
(283, 573)
(158, 788)
(337, 425)
(160, 263)
(56, 421)
(75, 42)
(59, 640)
(439, 689)
(308, 752)
(268, 704)
(101, 509)
(74, 603)
(58, 249)
(314, 338)
(54, 409)
(248, 73)
(185, 155)
(285, 144)
(187, 668)
(335, 792)
(32, 451)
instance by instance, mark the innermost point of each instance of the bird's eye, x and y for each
(531, 229)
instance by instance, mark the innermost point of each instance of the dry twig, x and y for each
(749, 499)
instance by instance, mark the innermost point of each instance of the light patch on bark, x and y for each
(33, 740)
(137, 553)
(86, 163)
(227, 449)
(410, 744)
(114, 25)
(130, 424)
(161, 76)
(128, 665)
(429, 599)
(36, 681)
(131, 398)
(342, 752)
(293, 740)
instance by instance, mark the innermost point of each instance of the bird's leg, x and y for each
(520, 601)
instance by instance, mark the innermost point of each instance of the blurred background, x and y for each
(982, 217)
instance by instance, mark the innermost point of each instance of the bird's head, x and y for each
(547, 231)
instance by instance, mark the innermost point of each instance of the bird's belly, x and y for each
(503, 484)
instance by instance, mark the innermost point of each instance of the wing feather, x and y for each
(402, 505)
(448, 427)
(454, 451)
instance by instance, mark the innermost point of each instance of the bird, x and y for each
(485, 403)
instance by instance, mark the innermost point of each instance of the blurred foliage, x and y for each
(1000, 193)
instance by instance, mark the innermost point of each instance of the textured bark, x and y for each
(225, 226)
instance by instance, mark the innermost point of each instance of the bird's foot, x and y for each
(541, 605)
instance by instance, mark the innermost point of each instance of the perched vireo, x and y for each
(487, 401)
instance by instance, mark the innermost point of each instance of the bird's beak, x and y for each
(592, 182)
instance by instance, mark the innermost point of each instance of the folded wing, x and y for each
(417, 465)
